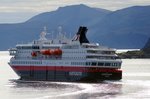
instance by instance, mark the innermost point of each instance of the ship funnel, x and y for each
(82, 34)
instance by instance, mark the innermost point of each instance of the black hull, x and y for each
(68, 76)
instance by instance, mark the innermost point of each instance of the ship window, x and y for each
(77, 63)
(107, 64)
(106, 52)
(72, 63)
(35, 47)
(113, 64)
(27, 47)
(87, 63)
(18, 47)
(93, 63)
(100, 64)
(119, 64)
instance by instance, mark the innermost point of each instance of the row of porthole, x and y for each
(23, 51)
(102, 64)
(77, 63)
(73, 58)
(26, 62)
(74, 52)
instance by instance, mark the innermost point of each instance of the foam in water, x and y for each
(134, 85)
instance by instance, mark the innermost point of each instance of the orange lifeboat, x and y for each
(46, 52)
(57, 52)
(52, 52)
(34, 54)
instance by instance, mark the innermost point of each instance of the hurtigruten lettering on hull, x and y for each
(64, 59)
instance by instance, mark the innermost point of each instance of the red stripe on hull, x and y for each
(65, 68)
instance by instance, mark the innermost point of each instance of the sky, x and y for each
(16, 11)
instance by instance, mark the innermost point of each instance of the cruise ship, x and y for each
(63, 59)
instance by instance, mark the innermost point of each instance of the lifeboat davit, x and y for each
(34, 54)
(46, 52)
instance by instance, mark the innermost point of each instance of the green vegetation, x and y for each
(135, 54)
(143, 53)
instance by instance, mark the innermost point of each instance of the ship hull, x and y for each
(67, 73)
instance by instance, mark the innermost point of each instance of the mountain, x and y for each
(147, 45)
(69, 17)
(125, 28)
(146, 48)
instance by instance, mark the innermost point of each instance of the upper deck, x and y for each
(76, 50)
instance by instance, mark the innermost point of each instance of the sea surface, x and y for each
(134, 85)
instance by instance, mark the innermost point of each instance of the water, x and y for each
(134, 85)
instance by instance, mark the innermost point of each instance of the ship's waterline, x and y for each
(66, 73)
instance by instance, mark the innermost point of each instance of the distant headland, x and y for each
(142, 53)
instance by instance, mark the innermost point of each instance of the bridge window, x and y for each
(100, 64)
(107, 64)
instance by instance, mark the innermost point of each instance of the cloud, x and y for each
(21, 10)
(49, 5)
(15, 17)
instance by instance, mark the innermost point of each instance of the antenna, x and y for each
(64, 36)
(52, 35)
(45, 29)
(60, 35)
(43, 34)
(60, 29)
